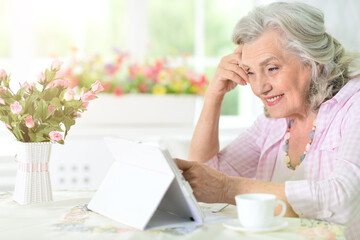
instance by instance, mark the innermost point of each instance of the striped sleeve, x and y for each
(337, 198)
(240, 157)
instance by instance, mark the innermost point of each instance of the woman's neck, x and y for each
(302, 121)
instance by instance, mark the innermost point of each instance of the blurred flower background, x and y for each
(120, 75)
(152, 32)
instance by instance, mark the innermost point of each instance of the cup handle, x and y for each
(283, 208)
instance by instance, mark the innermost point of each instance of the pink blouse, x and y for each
(330, 189)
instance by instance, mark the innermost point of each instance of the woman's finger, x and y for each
(183, 164)
(232, 76)
(234, 58)
(238, 70)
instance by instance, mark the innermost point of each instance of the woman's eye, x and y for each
(273, 69)
(250, 73)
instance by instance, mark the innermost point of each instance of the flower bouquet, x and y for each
(39, 114)
(121, 75)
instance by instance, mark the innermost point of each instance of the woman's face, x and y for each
(277, 77)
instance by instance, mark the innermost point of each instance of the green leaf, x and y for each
(41, 138)
(56, 102)
(32, 136)
(43, 134)
(22, 117)
(58, 115)
(16, 131)
(4, 108)
(33, 97)
(50, 93)
(5, 95)
(68, 122)
(5, 119)
(49, 75)
(35, 92)
(29, 106)
(53, 126)
(51, 122)
(68, 111)
(24, 130)
(41, 110)
(62, 94)
(76, 104)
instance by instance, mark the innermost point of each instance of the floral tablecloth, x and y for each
(68, 218)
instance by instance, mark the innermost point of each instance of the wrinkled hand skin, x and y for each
(212, 186)
(228, 75)
(209, 185)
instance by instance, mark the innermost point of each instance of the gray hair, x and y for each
(304, 35)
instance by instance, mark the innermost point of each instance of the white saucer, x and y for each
(234, 224)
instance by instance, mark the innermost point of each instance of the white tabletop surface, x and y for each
(67, 218)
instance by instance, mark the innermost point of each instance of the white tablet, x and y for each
(145, 189)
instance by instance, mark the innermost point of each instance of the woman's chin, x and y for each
(270, 113)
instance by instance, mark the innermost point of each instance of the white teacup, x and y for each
(256, 210)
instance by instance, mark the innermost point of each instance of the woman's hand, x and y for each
(228, 74)
(208, 184)
(212, 186)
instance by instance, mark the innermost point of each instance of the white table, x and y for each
(67, 218)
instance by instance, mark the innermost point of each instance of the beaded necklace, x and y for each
(286, 146)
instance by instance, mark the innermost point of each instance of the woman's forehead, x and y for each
(268, 45)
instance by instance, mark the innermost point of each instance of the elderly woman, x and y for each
(305, 148)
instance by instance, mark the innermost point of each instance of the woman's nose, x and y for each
(263, 85)
(265, 88)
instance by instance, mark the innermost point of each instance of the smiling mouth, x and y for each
(273, 99)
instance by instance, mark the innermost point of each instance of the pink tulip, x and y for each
(66, 83)
(51, 108)
(41, 77)
(56, 64)
(25, 84)
(7, 125)
(29, 122)
(3, 73)
(85, 105)
(55, 136)
(16, 107)
(97, 87)
(28, 85)
(83, 91)
(2, 101)
(77, 115)
(59, 83)
(69, 95)
(106, 86)
(88, 96)
(2, 90)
